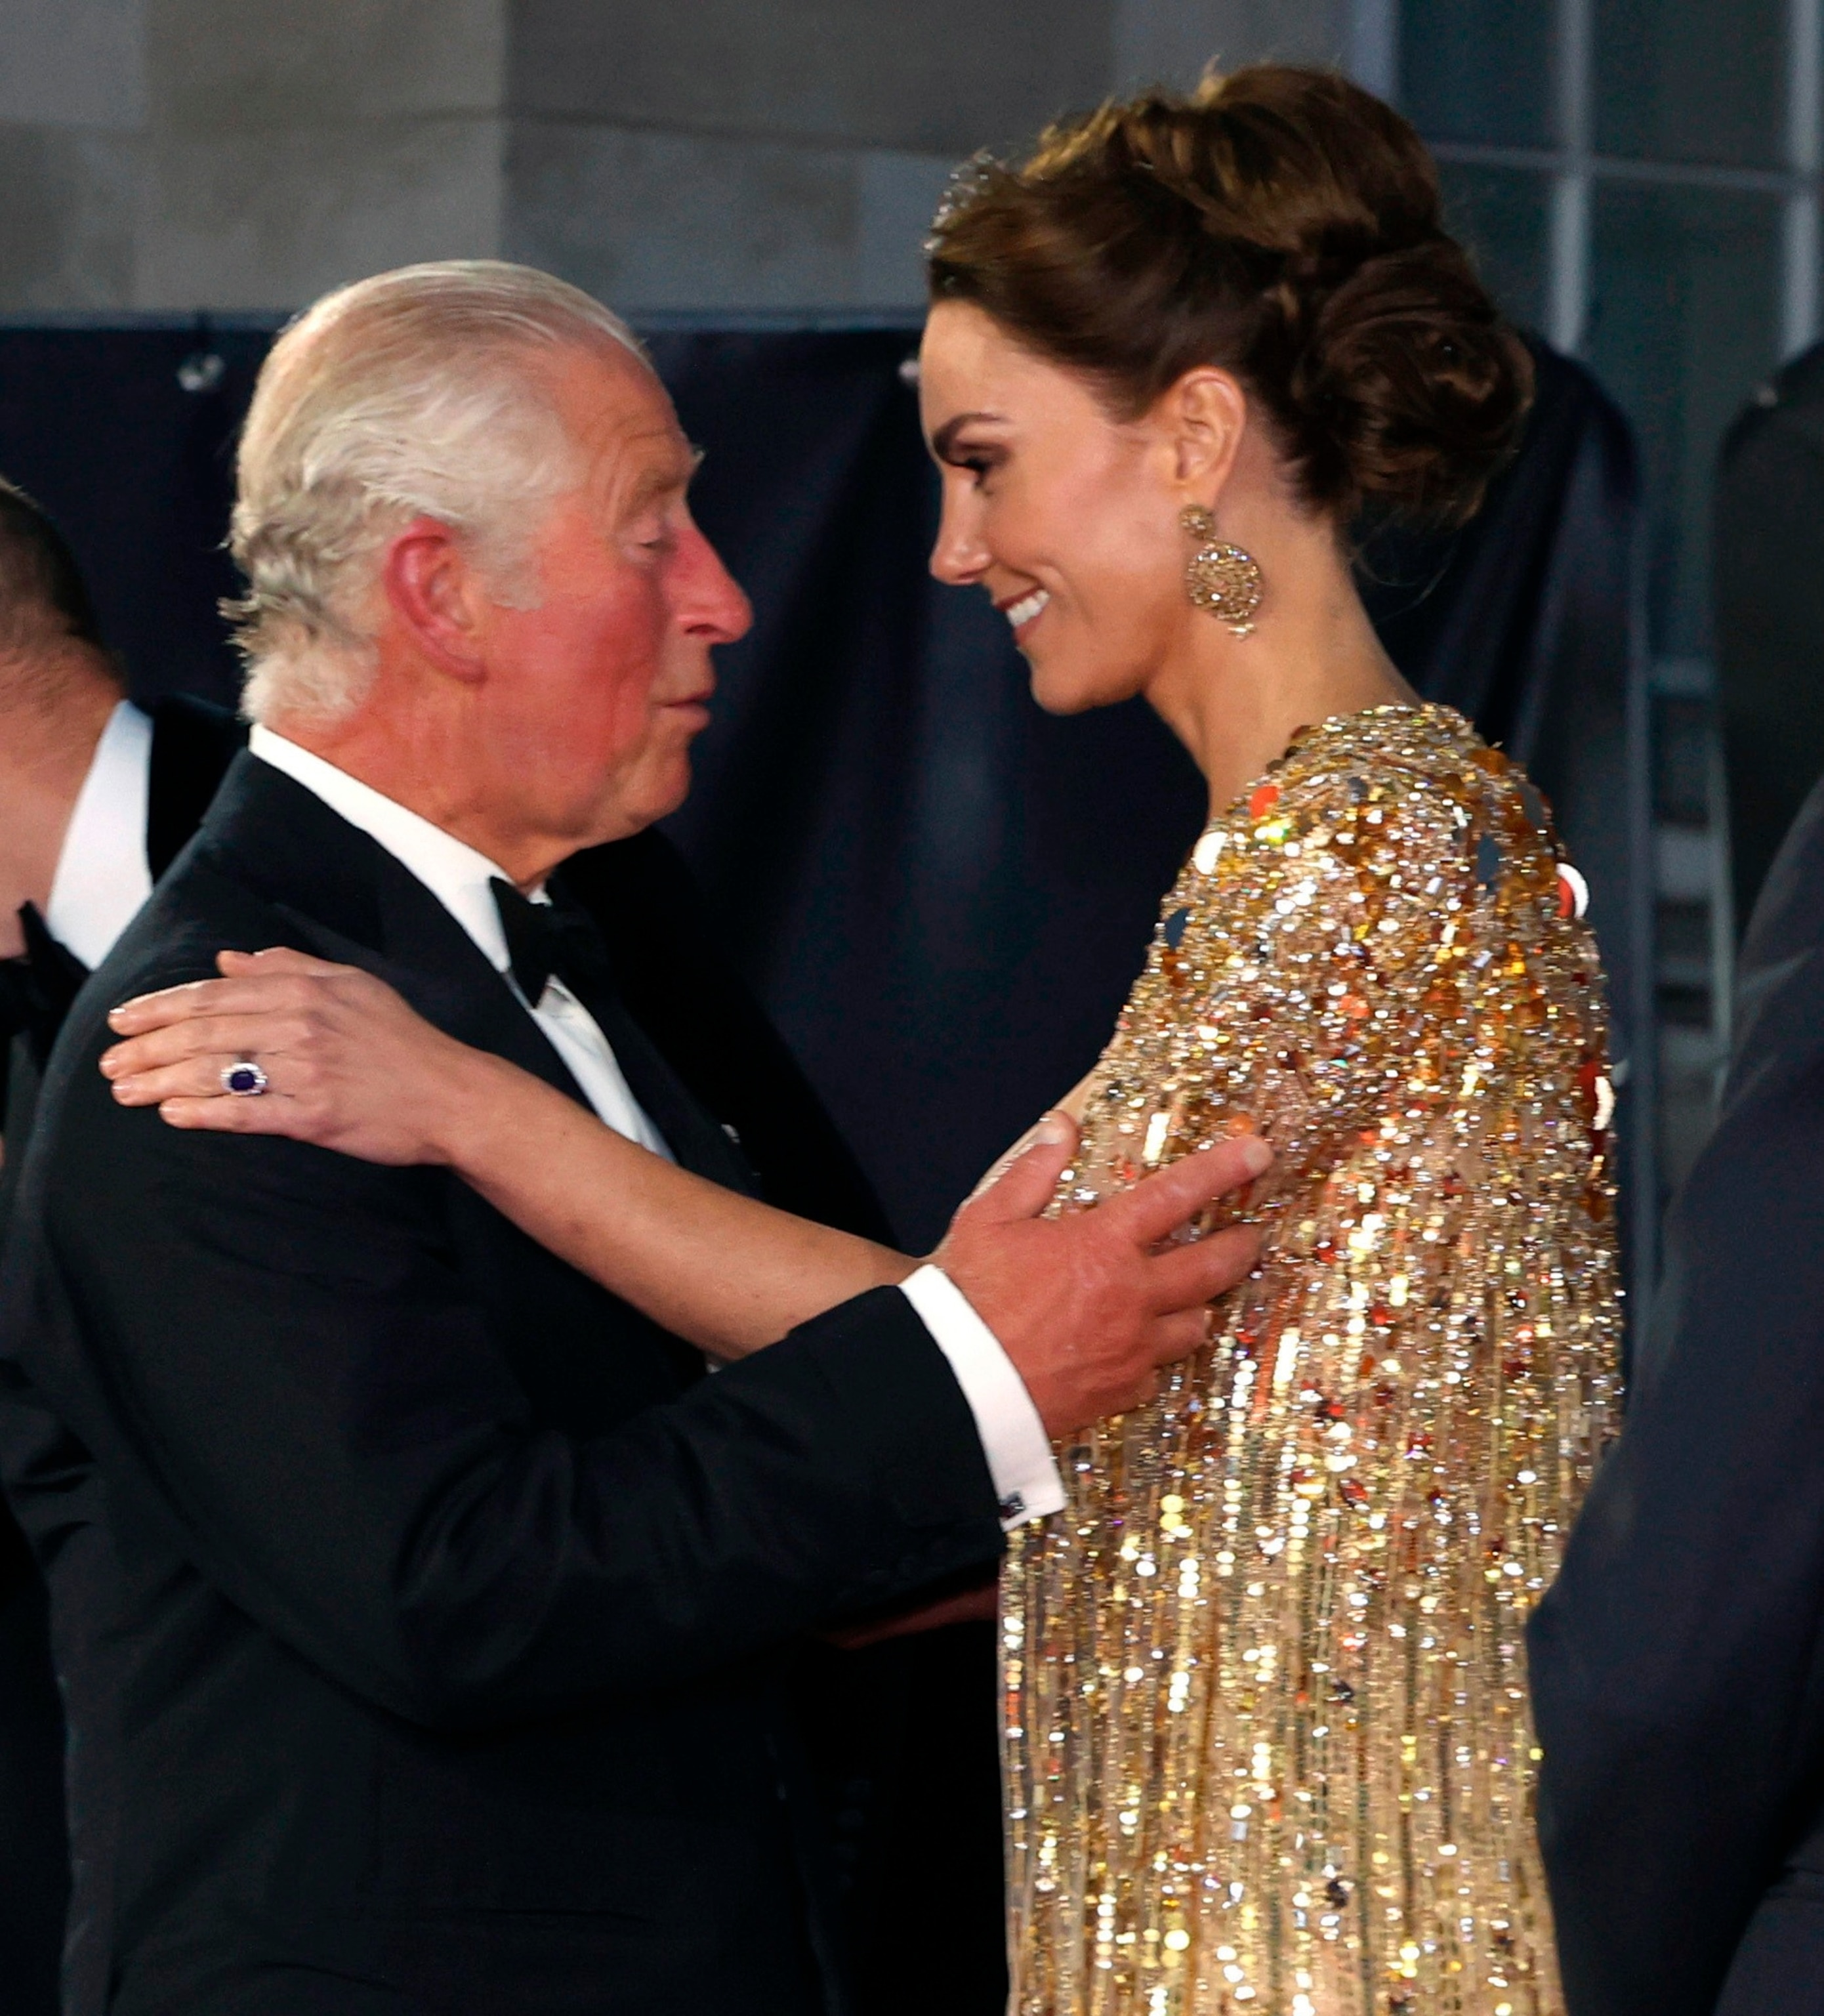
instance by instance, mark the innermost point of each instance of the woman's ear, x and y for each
(1204, 416)
(435, 596)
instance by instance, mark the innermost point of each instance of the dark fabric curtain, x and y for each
(1769, 560)
(941, 893)
(126, 437)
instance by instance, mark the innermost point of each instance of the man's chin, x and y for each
(656, 794)
(668, 800)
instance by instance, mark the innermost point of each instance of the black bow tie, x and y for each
(558, 939)
(36, 990)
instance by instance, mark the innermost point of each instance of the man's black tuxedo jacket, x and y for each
(425, 1595)
(1677, 1664)
(193, 744)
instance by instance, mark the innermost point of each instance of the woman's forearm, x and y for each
(729, 1274)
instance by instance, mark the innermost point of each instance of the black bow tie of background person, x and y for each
(559, 940)
(37, 990)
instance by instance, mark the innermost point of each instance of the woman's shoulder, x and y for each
(1416, 781)
(1398, 759)
(1385, 904)
(1396, 831)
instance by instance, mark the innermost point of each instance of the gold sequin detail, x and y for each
(1267, 1744)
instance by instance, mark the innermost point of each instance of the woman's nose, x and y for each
(959, 559)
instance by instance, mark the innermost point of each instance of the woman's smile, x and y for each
(1027, 610)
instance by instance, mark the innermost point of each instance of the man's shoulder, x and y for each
(268, 858)
(79, 1131)
(201, 908)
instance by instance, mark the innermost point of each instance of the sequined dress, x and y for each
(1268, 1744)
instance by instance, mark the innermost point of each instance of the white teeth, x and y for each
(1027, 607)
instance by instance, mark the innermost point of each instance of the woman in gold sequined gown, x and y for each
(1269, 1741)
(1267, 1745)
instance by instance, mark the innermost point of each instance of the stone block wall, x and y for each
(781, 155)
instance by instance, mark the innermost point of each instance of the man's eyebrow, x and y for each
(945, 439)
(657, 482)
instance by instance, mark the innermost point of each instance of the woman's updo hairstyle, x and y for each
(1281, 223)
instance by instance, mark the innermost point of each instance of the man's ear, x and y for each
(1203, 416)
(436, 597)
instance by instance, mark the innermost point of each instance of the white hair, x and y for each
(423, 392)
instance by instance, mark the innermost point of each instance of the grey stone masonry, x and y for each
(704, 154)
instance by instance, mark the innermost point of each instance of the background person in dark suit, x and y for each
(1677, 1664)
(96, 797)
(423, 1635)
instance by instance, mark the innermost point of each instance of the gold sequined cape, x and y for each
(1268, 1744)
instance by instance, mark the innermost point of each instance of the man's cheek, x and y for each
(615, 715)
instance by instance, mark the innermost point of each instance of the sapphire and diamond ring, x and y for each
(243, 1079)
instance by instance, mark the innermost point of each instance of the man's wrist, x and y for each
(1013, 1436)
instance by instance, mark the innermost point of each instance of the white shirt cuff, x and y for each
(1013, 1438)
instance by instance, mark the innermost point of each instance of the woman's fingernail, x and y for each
(1053, 1131)
(109, 1064)
(1256, 1156)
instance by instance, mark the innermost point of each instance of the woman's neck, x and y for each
(1236, 702)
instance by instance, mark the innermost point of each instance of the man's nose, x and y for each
(710, 602)
(959, 559)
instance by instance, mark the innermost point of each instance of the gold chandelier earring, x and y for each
(1219, 578)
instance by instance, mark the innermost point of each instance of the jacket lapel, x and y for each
(349, 900)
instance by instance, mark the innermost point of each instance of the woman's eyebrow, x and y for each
(945, 439)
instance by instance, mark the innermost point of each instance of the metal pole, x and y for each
(1568, 268)
(1640, 1194)
(1804, 145)
(1374, 46)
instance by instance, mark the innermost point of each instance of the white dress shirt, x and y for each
(102, 875)
(1013, 1439)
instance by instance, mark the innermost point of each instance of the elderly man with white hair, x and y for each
(421, 1606)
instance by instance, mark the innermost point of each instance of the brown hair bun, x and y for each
(1283, 223)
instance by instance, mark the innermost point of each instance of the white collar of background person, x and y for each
(102, 875)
